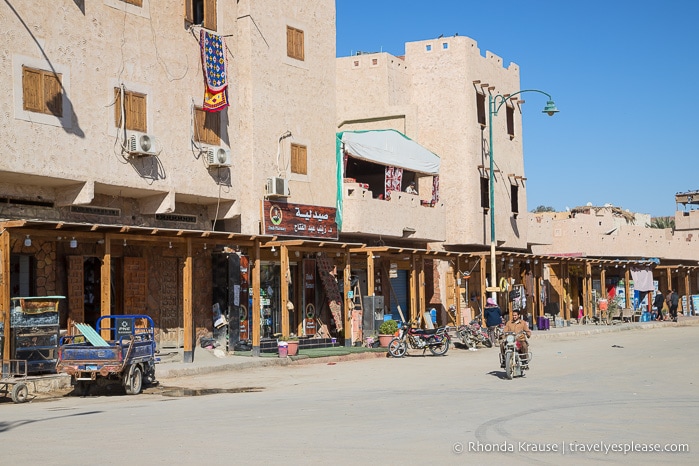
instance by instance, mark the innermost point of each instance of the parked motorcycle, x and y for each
(514, 362)
(436, 340)
(473, 335)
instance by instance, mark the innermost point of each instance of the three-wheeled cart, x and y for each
(13, 380)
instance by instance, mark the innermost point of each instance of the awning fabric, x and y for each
(391, 148)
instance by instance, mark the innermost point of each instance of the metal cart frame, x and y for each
(13, 380)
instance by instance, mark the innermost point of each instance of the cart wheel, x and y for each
(20, 393)
(135, 381)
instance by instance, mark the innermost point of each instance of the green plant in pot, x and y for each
(292, 344)
(387, 330)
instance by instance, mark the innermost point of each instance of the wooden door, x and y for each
(135, 285)
(76, 292)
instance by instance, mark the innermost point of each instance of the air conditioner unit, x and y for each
(277, 187)
(140, 143)
(217, 156)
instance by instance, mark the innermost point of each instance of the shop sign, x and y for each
(299, 220)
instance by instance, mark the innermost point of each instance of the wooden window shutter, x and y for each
(138, 102)
(303, 160)
(207, 127)
(299, 162)
(138, 3)
(117, 107)
(52, 94)
(289, 41)
(294, 43)
(299, 45)
(31, 90)
(189, 11)
(210, 14)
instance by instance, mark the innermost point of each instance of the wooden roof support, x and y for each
(187, 286)
(5, 291)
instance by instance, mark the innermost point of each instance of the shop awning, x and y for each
(390, 148)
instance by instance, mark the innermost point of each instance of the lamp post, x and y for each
(494, 104)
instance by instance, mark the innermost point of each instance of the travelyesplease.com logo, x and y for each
(569, 448)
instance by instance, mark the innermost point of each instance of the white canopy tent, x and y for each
(390, 148)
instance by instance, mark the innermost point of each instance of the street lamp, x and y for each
(493, 107)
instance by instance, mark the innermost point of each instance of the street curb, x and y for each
(545, 335)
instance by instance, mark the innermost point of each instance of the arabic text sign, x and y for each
(299, 220)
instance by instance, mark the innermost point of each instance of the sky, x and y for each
(623, 73)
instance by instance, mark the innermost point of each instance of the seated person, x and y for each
(411, 188)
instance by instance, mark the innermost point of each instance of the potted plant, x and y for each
(291, 343)
(387, 331)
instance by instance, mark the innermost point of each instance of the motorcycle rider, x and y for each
(517, 325)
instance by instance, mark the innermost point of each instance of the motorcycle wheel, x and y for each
(509, 366)
(397, 348)
(487, 342)
(441, 348)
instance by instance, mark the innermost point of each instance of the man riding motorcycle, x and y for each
(517, 325)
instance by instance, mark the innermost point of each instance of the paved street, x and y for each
(623, 390)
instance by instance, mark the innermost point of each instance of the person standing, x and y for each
(658, 304)
(673, 301)
(493, 317)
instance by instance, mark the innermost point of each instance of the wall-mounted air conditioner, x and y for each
(277, 187)
(217, 156)
(140, 143)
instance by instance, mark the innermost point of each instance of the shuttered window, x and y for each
(294, 43)
(42, 91)
(207, 127)
(299, 162)
(511, 121)
(201, 12)
(138, 3)
(480, 106)
(134, 110)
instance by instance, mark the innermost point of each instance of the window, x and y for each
(445, 45)
(134, 110)
(511, 121)
(480, 108)
(207, 127)
(201, 12)
(514, 198)
(294, 43)
(485, 193)
(42, 92)
(134, 2)
(299, 162)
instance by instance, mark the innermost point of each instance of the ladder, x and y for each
(357, 313)
(332, 291)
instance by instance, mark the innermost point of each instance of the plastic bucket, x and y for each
(283, 348)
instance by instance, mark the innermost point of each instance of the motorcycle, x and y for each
(514, 362)
(473, 335)
(436, 340)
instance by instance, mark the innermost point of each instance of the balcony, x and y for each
(402, 216)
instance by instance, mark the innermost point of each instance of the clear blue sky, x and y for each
(624, 75)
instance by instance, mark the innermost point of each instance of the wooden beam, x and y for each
(422, 296)
(284, 285)
(187, 285)
(5, 291)
(627, 288)
(105, 282)
(349, 305)
(413, 311)
(255, 263)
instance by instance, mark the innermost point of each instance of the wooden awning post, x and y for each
(5, 291)
(256, 299)
(187, 283)
(285, 271)
(349, 305)
(105, 282)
